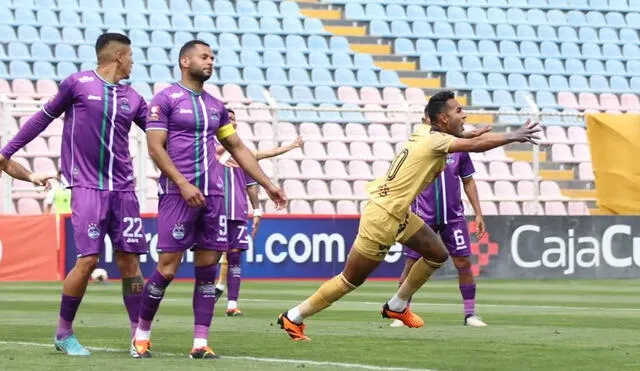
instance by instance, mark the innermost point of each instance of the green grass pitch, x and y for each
(533, 325)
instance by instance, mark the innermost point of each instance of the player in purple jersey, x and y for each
(237, 186)
(96, 161)
(183, 124)
(440, 206)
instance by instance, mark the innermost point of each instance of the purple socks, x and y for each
(68, 309)
(233, 275)
(151, 298)
(469, 298)
(204, 299)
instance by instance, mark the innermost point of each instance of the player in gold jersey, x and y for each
(387, 217)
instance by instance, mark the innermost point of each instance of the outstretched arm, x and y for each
(273, 152)
(17, 171)
(469, 185)
(526, 133)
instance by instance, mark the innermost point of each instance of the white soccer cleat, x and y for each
(474, 321)
(396, 323)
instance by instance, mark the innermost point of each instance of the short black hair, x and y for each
(106, 38)
(229, 110)
(437, 103)
(189, 45)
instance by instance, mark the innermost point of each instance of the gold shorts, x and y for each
(379, 230)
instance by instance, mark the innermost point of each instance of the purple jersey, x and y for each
(95, 138)
(192, 121)
(441, 202)
(236, 181)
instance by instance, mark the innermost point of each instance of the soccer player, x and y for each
(440, 206)
(96, 162)
(237, 186)
(183, 124)
(387, 218)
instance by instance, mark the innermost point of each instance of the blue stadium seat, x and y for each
(316, 59)
(318, 43)
(579, 83)
(611, 50)
(230, 75)
(254, 75)
(181, 37)
(25, 34)
(161, 38)
(456, 14)
(273, 58)
(180, 6)
(114, 20)
(290, 8)
(133, 6)
(599, 4)
(345, 76)
(299, 76)
(20, 69)
(181, 22)
(526, 32)
(619, 4)
(628, 36)
(421, 29)
(274, 42)
(443, 29)
(157, 55)
(633, 67)
(599, 83)
(416, 12)
(467, 47)
(464, 30)
(353, 116)
(65, 69)
(91, 17)
(591, 50)
(268, 8)
(481, 98)
(276, 75)
(296, 58)
(538, 82)
(429, 62)
(631, 18)
(203, 22)
(87, 66)
(72, 35)
(436, 13)
(25, 17)
(158, 6)
(533, 65)
(504, 97)
(505, 31)
(270, 25)
(255, 92)
(325, 94)
(403, 46)
(556, 17)
(396, 11)
(62, 4)
(487, 47)
(65, 52)
(137, 55)
(492, 63)
(520, 98)
(496, 15)
(248, 57)
(138, 37)
(516, 15)
(615, 19)
(509, 48)
(329, 116)
(446, 46)
(476, 15)
(634, 83)
(450, 63)
(342, 59)
(529, 49)
(574, 65)
(576, 18)
(136, 20)
(295, 42)
(485, 31)
(365, 61)
(425, 46)
(202, 6)
(593, 66)
(367, 77)
(596, 19)
(615, 67)
(314, 26)
(18, 50)
(322, 76)
(375, 11)
(250, 41)
(306, 115)
(547, 33)
(339, 43)
(497, 81)
(401, 28)
(619, 84)
(301, 93)
(143, 89)
(41, 51)
(226, 23)
(570, 50)
(558, 83)
(47, 17)
(87, 53)
(588, 34)
(550, 49)
(566, 33)
(354, 11)
(50, 35)
(280, 93)
(475, 80)
(6, 15)
(517, 81)
(244, 8)
(628, 50)
(160, 72)
(44, 70)
(471, 63)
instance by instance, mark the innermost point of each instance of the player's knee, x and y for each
(462, 263)
(128, 264)
(439, 256)
(87, 264)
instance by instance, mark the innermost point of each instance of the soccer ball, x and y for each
(99, 275)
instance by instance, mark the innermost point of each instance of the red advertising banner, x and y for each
(28, 248)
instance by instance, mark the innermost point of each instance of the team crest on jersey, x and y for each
(178, 231)
(450, 159)
(153, 113)
(124, 105)
(93, 231)
(214, 115)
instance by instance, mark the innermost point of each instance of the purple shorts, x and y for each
(455, 236)
(237, 237)
(96, 213)
(180, 227)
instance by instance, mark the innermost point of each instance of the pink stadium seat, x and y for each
(360, 150)
(581, 152)
(310, 131)
(12, 125)
(532, 208)
(577, 208)
(362, 205)
(267, 167)
(561, 153)
(416, 112)
(499, 170)
(294, 188)
(335, 169)
(370, 95)
(310, 169)
(348, 94)
(356, 132)
(630, 102)
(398, 147)
(588, 101)
(374, 113)
(359, 170)
(317, 188)
(379, 168)
(400, 116)
(477, 157)
(554, 208)
(585, 171)
(346, 207)
(360, 188)
(55, 143)
(415, 95)
(497, 154)
(333, 131)
(556, 134)
(286, 131)
(504, 190)
(481, 171)
(577, 135)
(159, 86)
(509, 208)
(38, 147)
(568, 100)
(488, 208)
(341, 188)
(251, 145)
(549, 188)
(383, 151)
(265, 145)
(5, 88)
(392, 96)
(522, 170)
(338, 150)
(288, 168)
(378, 132)
(263, 131)
(244, 131)
(23, 87)
(29, 206)
(241, 112)
(259, 111)
(46, 88)
(233, 93)
(399, 132)
(298, 207)
(323, 207)
(609, 102)
(525, 189)
(466, 206)
(484, 190)
(314, 150)
(44, 165)
(151, 205)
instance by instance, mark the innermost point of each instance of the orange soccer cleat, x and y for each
(407, 317)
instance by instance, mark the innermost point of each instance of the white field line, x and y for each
(245, 358)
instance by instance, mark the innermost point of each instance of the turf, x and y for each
(533, 325)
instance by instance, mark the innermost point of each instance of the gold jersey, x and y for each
(411, 171)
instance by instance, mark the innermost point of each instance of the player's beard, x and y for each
(200, 75)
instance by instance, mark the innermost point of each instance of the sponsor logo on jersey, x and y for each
(94, 97)
(185, 110)
(85, 79)
(176, 95)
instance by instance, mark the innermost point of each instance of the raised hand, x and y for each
(527, 133)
